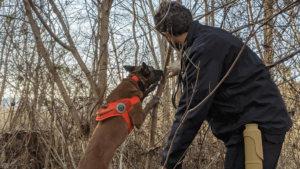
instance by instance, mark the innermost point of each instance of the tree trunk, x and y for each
(103, 57)
(268, 32)
(252, 21)
(5, 66)
(162, 48)
(134, 36)
(116, 54)
(206, 11)
(160, 89)
(212, 15)
(4, 77)
(104, 36)
(2, 50)
(35, 92)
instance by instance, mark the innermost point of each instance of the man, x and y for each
(248, 95)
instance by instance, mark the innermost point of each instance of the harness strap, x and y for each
(118, 108)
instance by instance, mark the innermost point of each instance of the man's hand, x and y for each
(174, 68)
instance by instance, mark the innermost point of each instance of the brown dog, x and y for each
(114, 128)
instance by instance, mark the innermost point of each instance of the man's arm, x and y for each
(209, 75)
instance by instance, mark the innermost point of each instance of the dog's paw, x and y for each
(156, 99)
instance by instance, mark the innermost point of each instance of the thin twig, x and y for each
(284, 59)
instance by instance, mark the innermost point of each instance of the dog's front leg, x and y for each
(154, 101)
(146, 92)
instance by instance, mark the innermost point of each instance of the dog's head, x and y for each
(147, 74)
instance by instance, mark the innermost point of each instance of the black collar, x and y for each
(140, 84)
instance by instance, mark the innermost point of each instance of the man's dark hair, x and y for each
(176, 22)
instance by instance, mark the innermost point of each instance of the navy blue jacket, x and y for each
(248, 95)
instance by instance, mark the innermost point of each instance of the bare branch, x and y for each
(283, 59)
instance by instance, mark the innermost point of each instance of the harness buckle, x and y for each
(121, 107)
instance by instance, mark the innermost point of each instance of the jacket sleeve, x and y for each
(209, 76)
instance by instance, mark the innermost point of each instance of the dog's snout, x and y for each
(158, 73)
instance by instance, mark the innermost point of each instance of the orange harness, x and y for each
(119, 108)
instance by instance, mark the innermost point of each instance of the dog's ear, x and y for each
(145, 70)
(129, 68)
